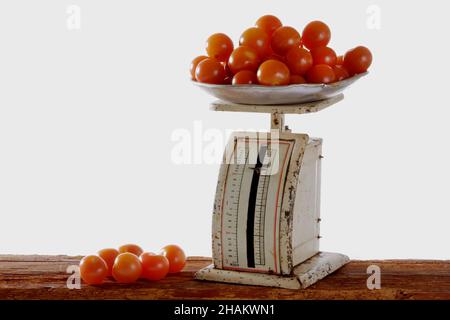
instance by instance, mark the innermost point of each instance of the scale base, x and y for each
(304, 274)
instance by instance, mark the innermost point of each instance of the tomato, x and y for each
(228, 72)
(176, 257)
(299, 61)
(316, 34)
(243, 58)
(324, 55)
(108, 255)
(131, 248)
(320, 73)
(127, 268)
(228, 80)
(340, 60)
(245, 77)
(274, 56)
(219, 46)
(194, 64)
(210, 71)
(154, 267)
(268, 23)
(273, 73)
(296, 79)
(284, 39)
(340, 72)
(357, 60)
(93, 270)
(257, 39)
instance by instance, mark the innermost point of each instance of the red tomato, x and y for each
(194, 64)
(127, 268)
(320, 73)
(228, 80)
(357, 60)
(340, 60)
(243, 58)
(176, 257)
(219, 46)
(299, 61)
(245, 77)
(108, 255)
(257, 39)
(93, 270)
(210, 71)
(273, 73)
(296, 79)
(324, 55)
(131, 248)
(340, 72)
(284, 39)
(268, 23)
(154, 267)
(316, 34)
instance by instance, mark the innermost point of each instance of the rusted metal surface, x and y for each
(44, 277)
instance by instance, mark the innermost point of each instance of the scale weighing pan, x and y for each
(277, 95)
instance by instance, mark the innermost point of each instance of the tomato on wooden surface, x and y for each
(154, 267)
(324, 55)
(316, 34)
(243, 58)
(127, 268)
(357, 60)
(176, 257)
(210, 71)
(284, 39)
(273, 73)
(245, 77)
(257, 39)
(93, 270)
(131, 248)
(320, 73)
(299, 61)
(109, 256)
(268, 23)
(219, 46)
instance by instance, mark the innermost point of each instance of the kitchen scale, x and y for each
(266, 215)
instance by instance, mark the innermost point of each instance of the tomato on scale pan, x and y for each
(306, 55)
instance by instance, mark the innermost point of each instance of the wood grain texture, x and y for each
(44, 277)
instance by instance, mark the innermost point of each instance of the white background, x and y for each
(86, 119)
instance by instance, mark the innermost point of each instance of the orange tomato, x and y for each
(245, 77)
(131, 248)
(340, 72)
(257, 39)
(154, 267)
(357, 60)
(273, 73)
(284, 39)
(324, 55)
(194, 64)
(176, 257)
(127, 268)
(268, 23)
(316, 34)
(210, 71)
(243, 58)
(93, 270)
(320, 73)
(219, 46)
(299, 61)
(108, 255)
(296, 79)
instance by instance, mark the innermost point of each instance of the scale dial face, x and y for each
(248, 204)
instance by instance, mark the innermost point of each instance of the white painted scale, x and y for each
(266, 213)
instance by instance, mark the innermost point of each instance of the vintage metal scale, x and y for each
(266, 213)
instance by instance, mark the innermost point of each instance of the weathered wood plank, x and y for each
(44, 277)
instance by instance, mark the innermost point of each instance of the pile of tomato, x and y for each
(274, 55)
(130, 263)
